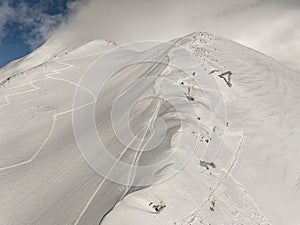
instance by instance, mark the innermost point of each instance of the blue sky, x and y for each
(26, 24)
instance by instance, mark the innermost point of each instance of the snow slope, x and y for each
(163, 115)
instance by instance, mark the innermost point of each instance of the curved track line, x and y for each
(139, 153)
(48, 76)
(50, 132)
(105, 178)
(192, 216)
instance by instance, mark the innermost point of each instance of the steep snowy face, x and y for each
(198, 130)
(249, 172)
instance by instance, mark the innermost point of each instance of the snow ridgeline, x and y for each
(201, 130)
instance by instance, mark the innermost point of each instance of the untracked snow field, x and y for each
(198, 130)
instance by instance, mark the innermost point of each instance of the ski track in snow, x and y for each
(132, 166)
(46, 77)
(105, 178)
(140, 151)
(193, 215)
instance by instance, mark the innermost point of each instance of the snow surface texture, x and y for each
(199, 130)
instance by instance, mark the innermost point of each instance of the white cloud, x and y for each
(277, 34)
(251, 22)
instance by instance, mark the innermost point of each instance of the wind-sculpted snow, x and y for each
(198, 130)
(255, 178)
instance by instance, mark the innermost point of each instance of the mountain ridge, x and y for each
(223, 106)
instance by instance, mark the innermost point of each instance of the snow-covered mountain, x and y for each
(198, 130)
